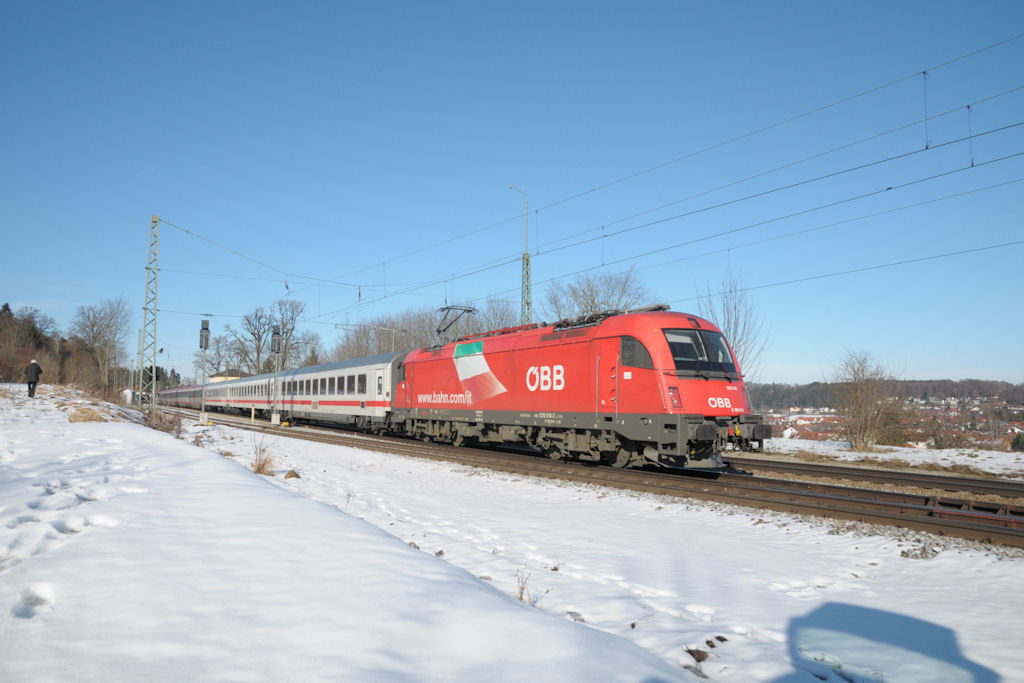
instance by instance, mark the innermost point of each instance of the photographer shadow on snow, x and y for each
(840, 642)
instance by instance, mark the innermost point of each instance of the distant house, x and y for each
(226, 375)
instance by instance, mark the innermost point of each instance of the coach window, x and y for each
(635, 354)
(351, 384)
(309, 389)
(316, 388)
(330, 386)
(362, 384)
(380, 385)
(323, 385)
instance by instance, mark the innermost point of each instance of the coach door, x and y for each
(379, 384)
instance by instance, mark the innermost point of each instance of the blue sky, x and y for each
(368, 148)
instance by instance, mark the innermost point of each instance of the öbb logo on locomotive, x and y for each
(719, 402)
(545, 378)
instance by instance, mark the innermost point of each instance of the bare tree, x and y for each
(735, 314)
(417, 328)
(251, 342)
(102, 329)
(24, 335)
(288, 312)
(309, 348)
(496, 314)
(865, 395)
(586, 294)
(216, 357)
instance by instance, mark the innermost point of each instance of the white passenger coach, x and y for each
(358, 392)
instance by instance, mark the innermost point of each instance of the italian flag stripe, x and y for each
(468, 349)
(474, 373)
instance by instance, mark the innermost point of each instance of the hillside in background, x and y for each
(776, 397)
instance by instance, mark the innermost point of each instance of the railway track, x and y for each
(997, 523)
(972, 485)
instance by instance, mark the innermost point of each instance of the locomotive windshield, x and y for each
(698, 351)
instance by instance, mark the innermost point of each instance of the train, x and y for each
(636, 388)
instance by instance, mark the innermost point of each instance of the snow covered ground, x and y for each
(999, 462)
(127, 554)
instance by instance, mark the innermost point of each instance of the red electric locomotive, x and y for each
(626, 388)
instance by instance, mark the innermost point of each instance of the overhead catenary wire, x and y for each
(783, 122)
(791, 164)
(887, 188)
(864, 269)
(254, 260)
(497, 263)
(780, 283)
(790, 186)
(702, 151)
(501, 263)
(411, 287)
(313, 280)
(794, 233)
(719, 234)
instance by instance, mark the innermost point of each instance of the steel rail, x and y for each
(975, 485)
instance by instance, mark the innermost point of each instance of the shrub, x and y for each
(167, 422)
(262, 462)
(1017, 444)
(522, 587)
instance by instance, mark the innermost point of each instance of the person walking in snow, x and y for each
(32, 372)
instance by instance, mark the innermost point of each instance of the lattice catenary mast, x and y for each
(149, 316)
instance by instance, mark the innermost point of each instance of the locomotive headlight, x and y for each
(673, 395)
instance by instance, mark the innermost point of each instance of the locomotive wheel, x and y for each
(622, 458)
(554, 453)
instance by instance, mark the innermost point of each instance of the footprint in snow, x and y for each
(70, 525)
(36, 598)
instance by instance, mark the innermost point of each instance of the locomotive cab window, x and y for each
(635, 354)
(699, 351)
